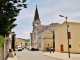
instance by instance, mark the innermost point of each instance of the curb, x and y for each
(15, 58)
(59, 58)
(53, 57)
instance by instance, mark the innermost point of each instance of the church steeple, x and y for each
(36, 17)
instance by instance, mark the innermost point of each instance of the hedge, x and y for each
(1, 41)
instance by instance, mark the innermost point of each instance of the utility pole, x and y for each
(67, 34)
(53, 41)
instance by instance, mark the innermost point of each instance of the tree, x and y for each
(26, 43)
(9, 10)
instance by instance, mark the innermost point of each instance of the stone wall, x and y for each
(6, 49)
(1, 53)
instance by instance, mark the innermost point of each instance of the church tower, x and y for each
(36, 20)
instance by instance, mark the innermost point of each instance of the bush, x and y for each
(44, 50)
(1, 41)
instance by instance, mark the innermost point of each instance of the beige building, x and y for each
(46, 40)
(61, 41)
(19, 42)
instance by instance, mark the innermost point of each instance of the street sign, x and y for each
(69, 46)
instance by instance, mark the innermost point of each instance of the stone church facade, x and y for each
(36, 36)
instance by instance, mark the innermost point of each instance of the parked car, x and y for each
(22, 47)
(19, 48)
(28, 47)
(34, 49)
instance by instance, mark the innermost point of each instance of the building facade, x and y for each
(61, 40)
(19, 42)
(46, 41)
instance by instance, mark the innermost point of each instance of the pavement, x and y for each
(57, 55)
(62, 56)
(12, 56)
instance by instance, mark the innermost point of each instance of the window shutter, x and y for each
(69, 35)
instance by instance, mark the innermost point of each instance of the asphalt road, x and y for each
(32, 55)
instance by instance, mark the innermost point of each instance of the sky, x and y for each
(49, 11)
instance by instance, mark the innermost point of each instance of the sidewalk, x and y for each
(62, 56)
(12, 57)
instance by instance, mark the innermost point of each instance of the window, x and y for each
(48, 44)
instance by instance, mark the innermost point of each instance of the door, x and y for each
(61, 48)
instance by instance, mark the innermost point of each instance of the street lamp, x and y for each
(67, 33)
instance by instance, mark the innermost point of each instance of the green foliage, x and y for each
(26, 43)
(9, 9)
(27, 40)
(43, 50)
(1, 41)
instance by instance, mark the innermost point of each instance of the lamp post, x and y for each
(67, 33)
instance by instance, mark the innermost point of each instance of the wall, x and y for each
(61, 38)
(75, 37)
(19, 42)
(7, 49)
(1, 53)
(48, 43)
(46, 39)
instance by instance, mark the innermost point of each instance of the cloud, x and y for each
(49, 11)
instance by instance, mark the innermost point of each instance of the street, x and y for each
(32, 55)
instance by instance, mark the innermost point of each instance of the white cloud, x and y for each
(49, 11)
(24, 34)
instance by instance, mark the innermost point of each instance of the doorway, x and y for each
(61, 48)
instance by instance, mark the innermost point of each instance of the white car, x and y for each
(19, 48)
(28, 47)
